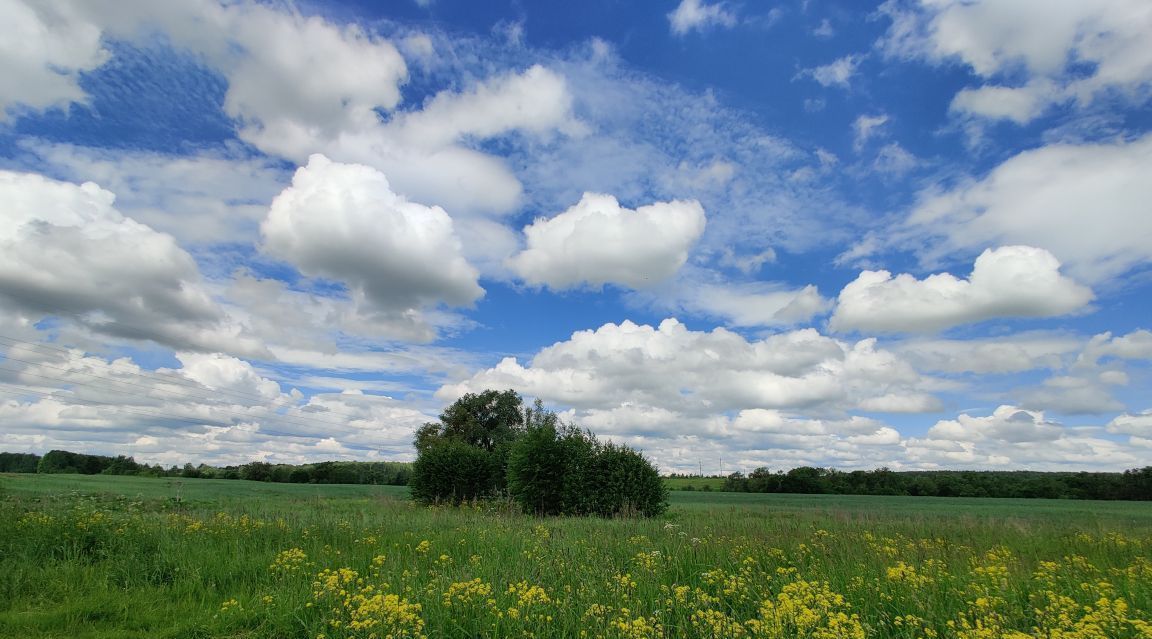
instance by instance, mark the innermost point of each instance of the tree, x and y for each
(487, 422)
(486, 445)
(18, 462)
(256, 471)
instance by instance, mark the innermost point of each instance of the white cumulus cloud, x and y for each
(1068, 50)
(597, 242)
(1005, 424)
(44, 46)
(1086, 204)
(1138, 425)
(66, 251)
(343, 222)
(702, 372)
(1011, 281)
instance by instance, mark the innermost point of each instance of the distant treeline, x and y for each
(333, 472)
(1132, 484)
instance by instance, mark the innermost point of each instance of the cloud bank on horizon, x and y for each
(909, 234)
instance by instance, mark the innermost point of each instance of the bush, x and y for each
(548, 470)
(452, 471)
(487, 445)
(626, 484)
(565, 471)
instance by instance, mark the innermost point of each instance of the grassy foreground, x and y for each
(129, 557)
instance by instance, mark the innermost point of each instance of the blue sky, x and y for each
(908, 234)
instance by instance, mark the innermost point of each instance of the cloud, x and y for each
(701, 373)
(1016, 439)
(212, 409)
(1018, 104)
(1134, 345)
(784, 400)
(1074, 394)
(1138, 425)
(698, 15)
(536, 101)
(836, 73)
(867, 127)
(299, 85)
(302, 77)
(1064, 51)
(1006, 424)
(320, 320)
(425, 154)
(66, 251)
(199, 199)
(1011, 281)
(745, 304)
(44, 47)
(996, 355)
(597, 242)
(343, 222)
(1086, 204)
(894, 160)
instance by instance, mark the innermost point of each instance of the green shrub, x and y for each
(451, 471)
(625, 483)
(565, 471)
(488, 445)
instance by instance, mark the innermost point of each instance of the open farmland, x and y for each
(131, 557)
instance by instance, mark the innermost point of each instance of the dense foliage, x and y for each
(488, 445)
(1133, 484)
(18, 462)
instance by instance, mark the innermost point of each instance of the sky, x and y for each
(913, 234)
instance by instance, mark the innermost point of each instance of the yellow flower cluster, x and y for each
(907, 574)
(528, 595)
(357, 607)
(467, 593)
(808, 609)
(289, 561)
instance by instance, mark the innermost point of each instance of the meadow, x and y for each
(118, 557)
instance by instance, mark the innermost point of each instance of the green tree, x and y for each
(488, 422)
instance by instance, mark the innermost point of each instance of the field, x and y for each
(130, 557)
(694, 483)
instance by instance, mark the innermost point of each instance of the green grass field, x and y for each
(694, 483)
(130, 557)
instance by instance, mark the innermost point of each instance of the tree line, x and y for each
(469, 465)
(329, 472)
(1133, 484)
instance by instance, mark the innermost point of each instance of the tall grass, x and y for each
(125, 557)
